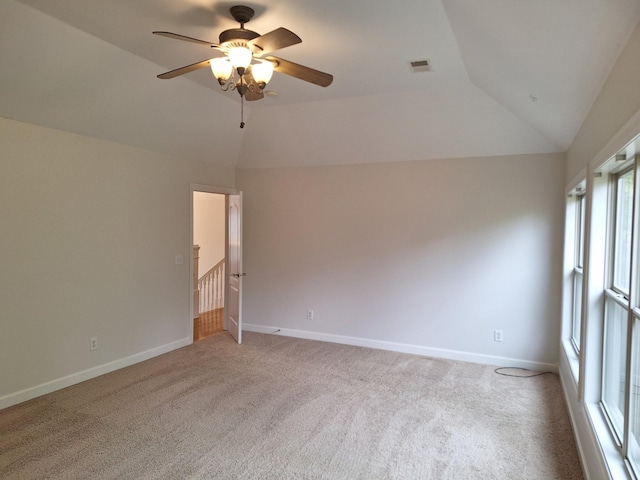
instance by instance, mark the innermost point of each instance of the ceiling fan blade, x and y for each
(275, 40)
(300, 71)
(186, 39)
(182, 70)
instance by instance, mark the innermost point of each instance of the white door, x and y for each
(234, 305)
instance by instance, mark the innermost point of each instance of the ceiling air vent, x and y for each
(420, 66)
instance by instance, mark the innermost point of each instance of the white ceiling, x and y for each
(508, 77)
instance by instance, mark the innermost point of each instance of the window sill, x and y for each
(615, 464)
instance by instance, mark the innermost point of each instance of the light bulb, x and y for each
(240, 57)
(221, 68)
(262, 72)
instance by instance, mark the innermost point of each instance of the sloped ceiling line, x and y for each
(92, 67)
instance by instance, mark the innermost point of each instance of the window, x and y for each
(617, 302)
(622, 232)
(626, 229)
(577, 274)
(634, 407)
(614, 364)
(601, 306)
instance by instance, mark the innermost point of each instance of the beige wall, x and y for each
(617, 102)
(90, 232)
(435, 254)
(209, 214)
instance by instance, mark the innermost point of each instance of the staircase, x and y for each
(208, 299)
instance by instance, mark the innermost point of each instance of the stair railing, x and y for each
(211, 288)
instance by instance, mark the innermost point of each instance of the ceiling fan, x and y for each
(245, 67)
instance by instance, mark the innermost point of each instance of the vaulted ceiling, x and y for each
(507, 77)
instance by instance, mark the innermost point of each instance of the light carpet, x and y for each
(283, 408)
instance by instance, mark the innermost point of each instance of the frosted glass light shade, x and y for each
(240, 57)
(221, 68)
(262, 72)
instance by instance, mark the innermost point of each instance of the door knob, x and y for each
(238, 275)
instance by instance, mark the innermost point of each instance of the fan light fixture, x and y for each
(236, 71)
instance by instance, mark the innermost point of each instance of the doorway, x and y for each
(209, 262)
(216, 266)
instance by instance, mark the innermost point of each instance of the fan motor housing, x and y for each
(237, 37)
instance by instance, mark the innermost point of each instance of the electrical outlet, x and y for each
(93, 344)
(310, 314)
(497, 335)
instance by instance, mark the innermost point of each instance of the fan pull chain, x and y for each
(242, 111)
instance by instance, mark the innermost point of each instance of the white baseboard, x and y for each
(67, 381)
(53, 385)
(405, 348)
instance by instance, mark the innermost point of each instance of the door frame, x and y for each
(196, 187)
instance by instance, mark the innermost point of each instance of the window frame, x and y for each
(613, 294)
(577, 274)
(616, 177)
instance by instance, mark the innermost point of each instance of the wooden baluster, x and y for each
(219, 286)
(211, 291)
(215, 297)
(214, 300)
(223, 275)
(203, 300)
(205, 303)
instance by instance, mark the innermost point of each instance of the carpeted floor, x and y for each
(284, 408)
